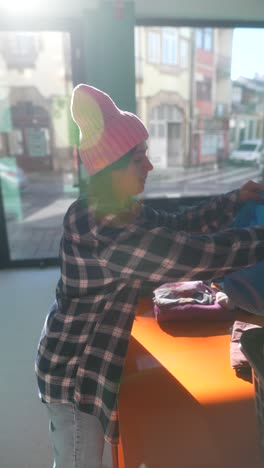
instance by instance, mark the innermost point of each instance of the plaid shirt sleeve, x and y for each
(158, 248)
(206, 217)
(159, 254)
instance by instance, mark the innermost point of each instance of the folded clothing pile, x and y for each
(191, 300)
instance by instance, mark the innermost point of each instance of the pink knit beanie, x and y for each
(106, 132)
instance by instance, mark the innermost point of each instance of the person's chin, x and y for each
(141, 188)
(138, 191)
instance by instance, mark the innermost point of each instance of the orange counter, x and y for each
(181, 404)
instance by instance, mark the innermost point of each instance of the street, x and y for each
(169, 183)
(198, 181)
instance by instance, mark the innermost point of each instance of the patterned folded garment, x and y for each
(190, 300)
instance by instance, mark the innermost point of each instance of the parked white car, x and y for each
(249, 151)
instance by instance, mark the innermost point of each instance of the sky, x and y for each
(247, 53)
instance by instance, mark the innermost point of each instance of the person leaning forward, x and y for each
(111, 245)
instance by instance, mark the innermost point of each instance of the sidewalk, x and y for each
(38, 235)
(27, 242)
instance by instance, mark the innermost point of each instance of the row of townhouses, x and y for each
(195, 113)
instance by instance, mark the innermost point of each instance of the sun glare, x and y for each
(14, 6)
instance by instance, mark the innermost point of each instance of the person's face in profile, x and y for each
(131, 180)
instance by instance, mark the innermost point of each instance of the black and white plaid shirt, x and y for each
(103, 266)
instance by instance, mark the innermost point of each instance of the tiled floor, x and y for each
(25, 296)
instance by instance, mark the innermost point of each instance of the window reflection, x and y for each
(38, 141)
(199, 105)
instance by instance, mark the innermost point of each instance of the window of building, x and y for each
(15, 141)
(161, 130)
(153, 47)
(24, 44)
(169, 46)
(236, 94)
(160, 115)
(209, 144)
(204, 90)
(208, 39)
(199, 38)
(220, 109)
(204, 38)
(20, 50)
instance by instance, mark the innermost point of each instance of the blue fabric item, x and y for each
(251, 214)
(246, 287)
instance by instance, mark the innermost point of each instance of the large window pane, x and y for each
(153, 47)
(200, 107)
(38, 160)
(169, 46)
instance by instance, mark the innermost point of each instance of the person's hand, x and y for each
(251, 191)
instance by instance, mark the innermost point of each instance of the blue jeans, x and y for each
(77, 437)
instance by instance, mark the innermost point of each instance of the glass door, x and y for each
(38, 156)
